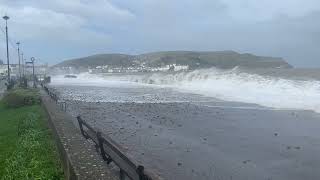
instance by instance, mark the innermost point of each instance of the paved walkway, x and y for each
(80, 159)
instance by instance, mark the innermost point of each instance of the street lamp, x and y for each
(18, 44)
(6, 18)
(34, 78)
(22, 64)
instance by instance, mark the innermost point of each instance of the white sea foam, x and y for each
(86, 79)
(231, 85)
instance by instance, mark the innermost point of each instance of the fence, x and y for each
(108, 149)
(55, 97)
(111, 152)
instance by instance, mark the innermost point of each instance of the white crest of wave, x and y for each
(233, 85)
(87, 79)
(229, 85)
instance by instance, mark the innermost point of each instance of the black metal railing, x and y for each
(108, 149)
(111, 152)
(62, 104)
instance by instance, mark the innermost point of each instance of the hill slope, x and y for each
(219, 59)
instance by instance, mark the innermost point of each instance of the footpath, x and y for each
(79, 158)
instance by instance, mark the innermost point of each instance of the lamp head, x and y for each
(6, 17)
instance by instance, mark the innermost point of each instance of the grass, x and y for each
(27, 148)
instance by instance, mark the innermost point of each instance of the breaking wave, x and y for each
(229, 85)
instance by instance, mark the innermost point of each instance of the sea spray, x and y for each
(229, 85)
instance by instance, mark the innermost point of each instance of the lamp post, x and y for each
(18, 44)
(6, 18)
(22, 64)
(34, 78)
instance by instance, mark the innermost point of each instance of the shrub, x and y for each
(23, 82)
(21, 97)
(10, 84)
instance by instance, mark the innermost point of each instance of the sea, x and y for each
(206, 124)
(273, 88)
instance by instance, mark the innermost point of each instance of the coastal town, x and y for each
(25, 69)
(118, 69)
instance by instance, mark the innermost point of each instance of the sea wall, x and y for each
(79, 158)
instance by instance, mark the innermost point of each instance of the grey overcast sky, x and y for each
(56, 30)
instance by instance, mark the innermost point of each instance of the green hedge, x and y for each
(21, 97)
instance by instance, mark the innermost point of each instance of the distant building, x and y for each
(3, 70)
(39, 69)
(14, 69)
(142, 67)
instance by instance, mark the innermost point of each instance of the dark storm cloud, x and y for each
(59, 29)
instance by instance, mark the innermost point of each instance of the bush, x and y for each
(10, 84)
(23, 82)
(21, 97)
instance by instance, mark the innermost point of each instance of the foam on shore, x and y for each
(229, 85)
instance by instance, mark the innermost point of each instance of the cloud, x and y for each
(253, 10)
(59, 29)
(68, 24)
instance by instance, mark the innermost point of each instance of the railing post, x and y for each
(102, 151)
(65, 106)
(122, 175)
(81, 127)
(140, 171)
(56, 98)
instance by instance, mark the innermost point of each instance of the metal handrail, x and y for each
(108, 149)
(111, 152)
(55, 97)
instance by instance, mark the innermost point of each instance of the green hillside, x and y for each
(219, 59)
